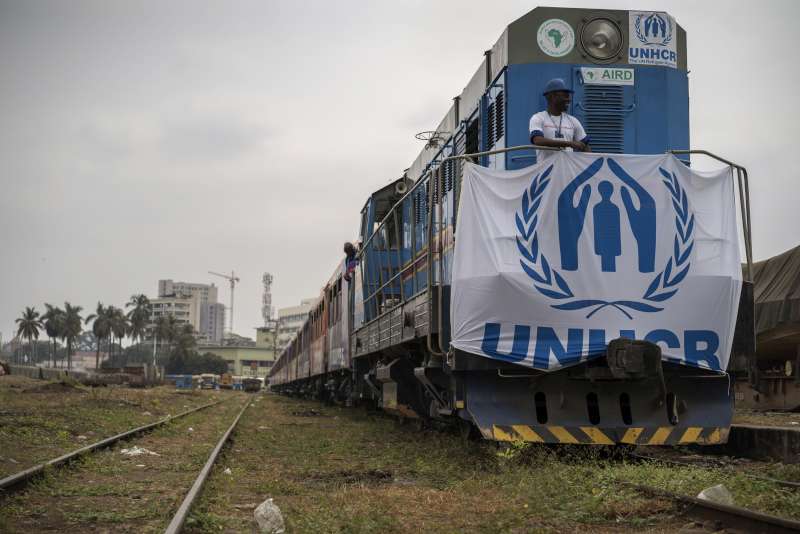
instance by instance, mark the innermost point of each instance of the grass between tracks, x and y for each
(111, 492)
(40, 420)
(332, 469)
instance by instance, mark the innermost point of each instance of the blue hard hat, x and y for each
(556, 84)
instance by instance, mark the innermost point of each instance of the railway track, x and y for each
(18, 480)
(178, 520)
(722, 515)
(184, 495)
(668, 461)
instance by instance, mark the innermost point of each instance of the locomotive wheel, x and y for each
(420, 424)
(468, 431)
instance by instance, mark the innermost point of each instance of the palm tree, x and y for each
(53, 320)
(139, 316)
(72, 327)
(166, 329)
(29, 325)
(119, 324)
(101, 328)
(186, 340)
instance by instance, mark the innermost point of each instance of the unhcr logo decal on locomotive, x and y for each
(651, 39)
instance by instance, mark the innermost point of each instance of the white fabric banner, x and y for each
(554, 261)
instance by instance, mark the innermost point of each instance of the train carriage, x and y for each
(338, 371)
(319, 329)
(628, 72)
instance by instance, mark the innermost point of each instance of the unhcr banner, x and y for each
(554, 261)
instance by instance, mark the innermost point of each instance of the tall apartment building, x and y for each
(291, 319)
(185, 309)
(193, 303)
(212, 321)
(206, 292)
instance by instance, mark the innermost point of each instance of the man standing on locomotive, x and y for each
(554, 127)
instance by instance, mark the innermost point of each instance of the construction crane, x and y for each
(232, 279)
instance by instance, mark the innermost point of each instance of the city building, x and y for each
(246, 358)
(206, 315)
(212, 321)
(206, 292)
(291, 319)
(185, 309)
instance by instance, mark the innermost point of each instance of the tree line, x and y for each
(173, 343)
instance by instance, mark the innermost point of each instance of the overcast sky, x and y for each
(150, 139)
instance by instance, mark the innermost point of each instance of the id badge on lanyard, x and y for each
(558, 133)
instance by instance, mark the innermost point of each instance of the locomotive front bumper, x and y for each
(559, 408)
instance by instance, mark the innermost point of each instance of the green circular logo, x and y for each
(556, 38)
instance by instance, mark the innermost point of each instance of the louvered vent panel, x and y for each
(494, 121)
(605, 119)
(420, 206)
(461, 141)
(448, 175)
(491, 119)
(499, 115)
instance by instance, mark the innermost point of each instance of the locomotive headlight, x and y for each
(601, 39)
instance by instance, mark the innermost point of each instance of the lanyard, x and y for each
(560, 120)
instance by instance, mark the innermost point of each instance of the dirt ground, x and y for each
(40, 420)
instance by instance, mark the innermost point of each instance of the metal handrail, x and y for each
(428, 176)
(744, 202)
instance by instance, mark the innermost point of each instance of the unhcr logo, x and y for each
(651, 39)
(638, 207)
(653, 29)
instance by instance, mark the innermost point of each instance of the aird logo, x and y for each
(638, 211)
(556, 38)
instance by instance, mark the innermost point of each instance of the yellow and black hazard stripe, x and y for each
(592, 435)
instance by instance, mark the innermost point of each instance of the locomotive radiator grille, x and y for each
(605, 118)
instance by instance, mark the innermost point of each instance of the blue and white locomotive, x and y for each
(385, 336)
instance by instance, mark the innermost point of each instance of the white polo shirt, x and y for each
(549, 126)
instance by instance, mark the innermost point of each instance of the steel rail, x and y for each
(735, 517)
(176, 525)
(776, 481)
(27, 474)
